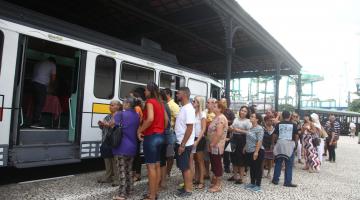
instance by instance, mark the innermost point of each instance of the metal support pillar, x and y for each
(299, 92)
(229, 56)
(277, 84)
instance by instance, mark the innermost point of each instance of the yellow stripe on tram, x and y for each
(100, 108)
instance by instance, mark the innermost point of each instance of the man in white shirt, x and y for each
(44, 72)
(185, 136)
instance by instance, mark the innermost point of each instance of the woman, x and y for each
(240, 128)
(138, 94)
(268, 144)
(217, 135)
(105, 149)
(311, 133)
(200, 142)
(151, 133)
(124, 154)
(255, 152)
(166, 142)
(306, 139)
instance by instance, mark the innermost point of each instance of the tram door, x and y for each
(47, 102)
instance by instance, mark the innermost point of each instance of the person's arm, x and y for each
(259, 138)
(202, 132)
(188, 132)
(147, 122)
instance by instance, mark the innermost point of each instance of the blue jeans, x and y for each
(288, 169)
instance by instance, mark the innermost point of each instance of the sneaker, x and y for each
(256, 189)
(181, 190)
(249, 186)
(183, 194)
(37, 126)
(290, 185)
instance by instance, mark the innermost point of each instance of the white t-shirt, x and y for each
(197, 124)
(43, 71)
(243, 124)
(185, 116)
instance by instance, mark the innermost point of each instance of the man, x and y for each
(230, 116)
(295, 119)
(210, 115)
(170, 139)
(286, 135)
(185, 136)
(44, 72)
(332, 127)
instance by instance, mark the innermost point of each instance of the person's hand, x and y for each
(181, 150)
(244, 150)
(255, 155)
(140, 135)
(100, 123)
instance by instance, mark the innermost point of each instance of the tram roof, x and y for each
(192, 30)
(331, 111)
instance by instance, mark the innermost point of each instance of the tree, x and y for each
(354, 105)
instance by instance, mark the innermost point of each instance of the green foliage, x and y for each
(287, 107)
(355, 105)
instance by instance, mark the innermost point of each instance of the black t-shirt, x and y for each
(286, 130)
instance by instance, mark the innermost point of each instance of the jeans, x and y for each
(255, 167)
(331, 149)
(288, 169)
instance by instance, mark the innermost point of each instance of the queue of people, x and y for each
(202, 137)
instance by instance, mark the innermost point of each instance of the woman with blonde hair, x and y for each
(200, 142)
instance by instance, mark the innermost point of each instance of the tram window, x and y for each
(215, 92)
(197, 88)
(134, 77)
(1, 46)
(171, 81)
(104, 77)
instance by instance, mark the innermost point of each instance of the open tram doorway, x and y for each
(47, 92)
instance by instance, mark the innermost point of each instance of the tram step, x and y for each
(33, 136)
(46, 154)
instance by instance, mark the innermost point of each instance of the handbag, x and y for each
(116, 134)
(316, 142)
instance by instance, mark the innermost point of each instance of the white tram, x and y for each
(92, 69)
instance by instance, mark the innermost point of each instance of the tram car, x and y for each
(91, 70)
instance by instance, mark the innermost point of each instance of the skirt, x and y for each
(238, 143)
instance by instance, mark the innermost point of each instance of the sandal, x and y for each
(136, 179)
(119, 198)
(231, 178)
(215, 189)
(200, 186)
(147, 196)
(239, 182)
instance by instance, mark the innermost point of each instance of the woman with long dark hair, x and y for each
(239, 129)
(151, 133)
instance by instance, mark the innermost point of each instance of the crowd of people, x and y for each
(203, 134)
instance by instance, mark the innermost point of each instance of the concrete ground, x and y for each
(340, 180)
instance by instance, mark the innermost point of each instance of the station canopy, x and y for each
(194, 31)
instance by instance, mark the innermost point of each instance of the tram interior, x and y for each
(55, 112)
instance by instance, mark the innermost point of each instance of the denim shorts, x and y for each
(183, 160)
(152, 148)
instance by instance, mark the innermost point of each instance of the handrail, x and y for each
(71, 120)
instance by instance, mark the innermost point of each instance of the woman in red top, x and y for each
(151, 133)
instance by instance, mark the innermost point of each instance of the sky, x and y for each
(322, 35)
